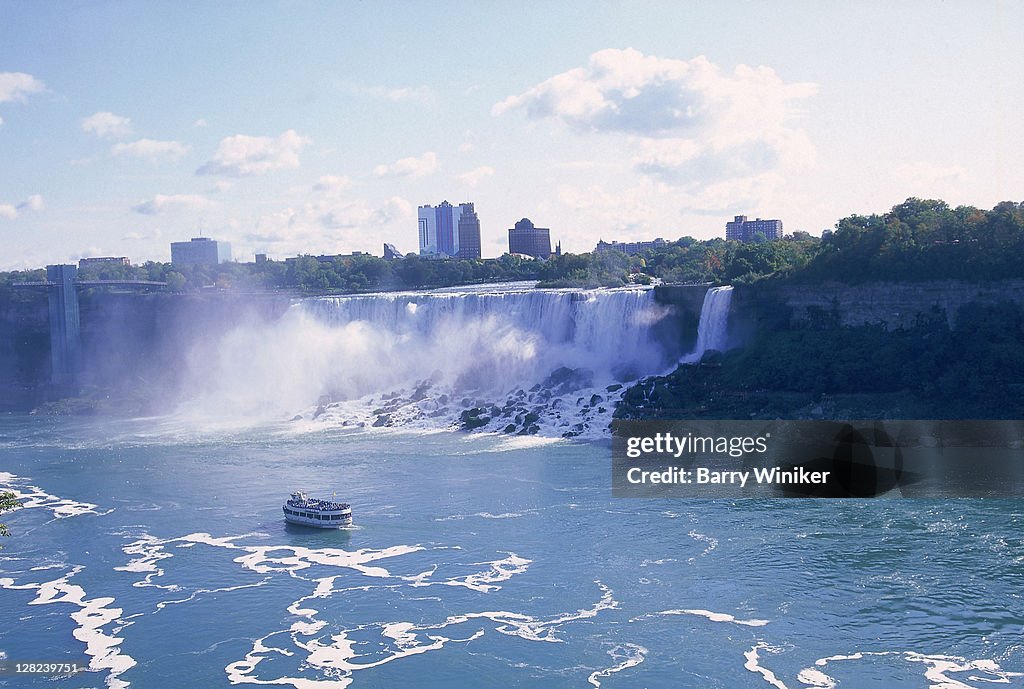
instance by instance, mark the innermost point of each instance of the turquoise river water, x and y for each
(159, 558)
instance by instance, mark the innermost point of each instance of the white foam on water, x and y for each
(709, 614)
(486, 515)
(753, 665)
(32, 497)
(198, 592)
(240, 672)
(545, 630)
(41, 568)
(149, 551)
(815, 678)
(938, 669)
(92, 616)
(499, 570)
(521, 442)
(335, 655)
(627, 655)
(719, 617)
(339, 660)
(260, 559)
(483, 581)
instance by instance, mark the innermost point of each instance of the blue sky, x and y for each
(319, 127)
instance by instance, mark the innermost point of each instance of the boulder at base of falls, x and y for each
(564, 379)
(474, 418)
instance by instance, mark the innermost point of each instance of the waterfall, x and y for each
(503, 358)
(712, 331)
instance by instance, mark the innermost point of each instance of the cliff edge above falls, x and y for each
(938, 349)
(893, 305)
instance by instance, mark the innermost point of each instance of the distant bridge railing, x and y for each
(95, 283)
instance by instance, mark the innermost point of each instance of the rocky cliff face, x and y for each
(873, 350)
(687, 301)
(24, 350)
(890, 304)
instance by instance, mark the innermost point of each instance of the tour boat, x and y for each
(323, 514)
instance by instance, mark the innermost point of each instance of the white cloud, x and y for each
(220, 186)
(651, 208)
(686, 122)
(688, 161)
(931, 180)
(151, 149)
(394, 209)
(143, 236)
(348, 215)
(14, 86)
(415, 94)
(32, 203)
(241, 155)
(332, 226)
(359, 214)
(409, 167)
(476, 175)
(926, 174)
(621, 213)
(107, 125)
(11, 211)
(201, 122)
(332, 184)
(170, 203)
(1, 121)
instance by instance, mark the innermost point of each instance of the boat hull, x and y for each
(318, 520)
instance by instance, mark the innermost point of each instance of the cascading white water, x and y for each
(712, 331)
(527, 358)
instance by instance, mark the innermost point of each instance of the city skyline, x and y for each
(449, 230)
(320, 128)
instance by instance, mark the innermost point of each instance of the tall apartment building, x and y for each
(524, 238)
(469, 233)
(442, 231)
(200, 251)
(743, 230)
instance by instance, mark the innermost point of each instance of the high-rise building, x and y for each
(743, 230)
(200, 251)
(469, 233)
(441, 230)
(526, 239)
